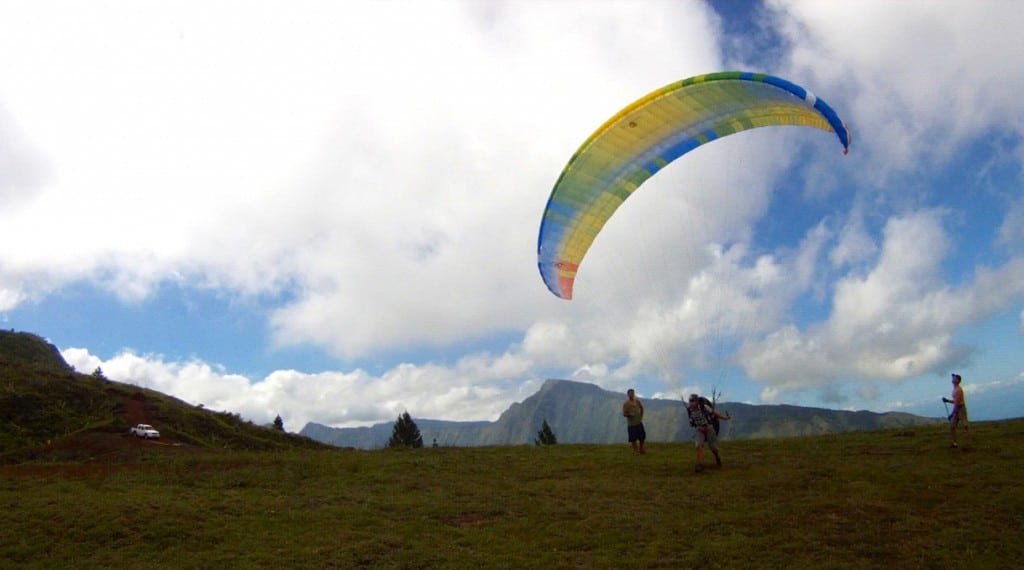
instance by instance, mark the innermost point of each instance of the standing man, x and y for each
(959, 410)
(701, 418)
(633, 411)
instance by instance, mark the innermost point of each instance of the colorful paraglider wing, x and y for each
(645, 137)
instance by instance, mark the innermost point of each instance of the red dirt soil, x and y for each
(101, 453)
(135, 409)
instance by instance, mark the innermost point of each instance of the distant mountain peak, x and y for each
(559, 384)
(581, 412)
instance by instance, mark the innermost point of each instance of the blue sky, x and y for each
(329, 211)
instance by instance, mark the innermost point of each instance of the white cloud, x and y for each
(22, 169)
(1011, 232)
(383, 164)
(894, 323)
(381, 169)
(917, 79)
(855, 244)
(10, 297)
(478, 387)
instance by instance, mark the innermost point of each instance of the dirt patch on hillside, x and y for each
(102, 452)
(135, 409)
(97, 453)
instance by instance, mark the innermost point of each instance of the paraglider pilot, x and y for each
(702, 417)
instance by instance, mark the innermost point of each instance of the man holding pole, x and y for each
(959, 413)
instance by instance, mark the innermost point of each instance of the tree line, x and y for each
(405, 433)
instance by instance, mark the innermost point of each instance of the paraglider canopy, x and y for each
(646, 136)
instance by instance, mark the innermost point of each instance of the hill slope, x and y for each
(584, 413)
(49, 410)
(27, 348)
(886, 499)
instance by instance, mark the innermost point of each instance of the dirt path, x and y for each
(102, 452)
(135, 409)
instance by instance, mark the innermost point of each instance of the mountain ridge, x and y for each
(45, 400)
(580, 412)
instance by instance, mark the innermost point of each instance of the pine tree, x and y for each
(405, 433)
(278, 423)
(545, 436)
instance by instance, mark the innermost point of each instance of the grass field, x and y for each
(895, 499)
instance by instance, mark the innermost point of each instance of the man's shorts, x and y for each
(707, 436)
(959, 417)
(636, 433)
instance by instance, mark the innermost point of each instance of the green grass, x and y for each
(42, 404)
(863, 500)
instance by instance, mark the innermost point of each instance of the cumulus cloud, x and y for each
(22, 168)
(1011, 232)
(379, 170)
(10, 297)
(855, 244)
(903, 104)
(477, 387)
(893, 323)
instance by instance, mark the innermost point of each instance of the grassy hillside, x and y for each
(893, 499)
(47, 410)
(30, 348)
(217, 491)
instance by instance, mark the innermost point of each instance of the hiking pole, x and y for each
(944, 403)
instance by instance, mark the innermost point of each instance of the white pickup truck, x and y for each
(145, 431)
